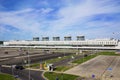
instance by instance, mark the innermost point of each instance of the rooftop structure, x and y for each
(35, 38)
(45, 38)
(67, 38)
(80, 38)
(56, 38)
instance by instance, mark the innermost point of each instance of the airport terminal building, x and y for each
(79, 42)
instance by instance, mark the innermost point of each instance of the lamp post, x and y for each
(64, 52)
(0, 68)
(28, 64)
(83, 56)
(62, 75)
(12, 69)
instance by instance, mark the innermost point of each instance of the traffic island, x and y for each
(59, 76)
(4, 76)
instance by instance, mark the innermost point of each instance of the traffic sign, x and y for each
(93, 76)
(110, 69)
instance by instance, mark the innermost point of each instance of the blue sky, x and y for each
(23, 19)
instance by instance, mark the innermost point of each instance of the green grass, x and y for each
(36, 65)
(79, 61)
(6, 77)
(108, 53)
(62, 68)
(56, 59)
(61, 76)
(59, 59)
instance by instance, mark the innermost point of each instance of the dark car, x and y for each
(85, 55)
(5, 52)
(19, 67)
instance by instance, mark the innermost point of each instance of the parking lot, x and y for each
(102, 67)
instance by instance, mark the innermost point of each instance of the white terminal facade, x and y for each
(80, 42)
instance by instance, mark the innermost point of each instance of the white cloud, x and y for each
(45, 11)
(25, 20)
(35, 22)
(74, 13)
(81, 13)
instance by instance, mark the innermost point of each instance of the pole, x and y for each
(0, 68)
(62, 74)
(12, 70)
(83, 57)
(29, 66)
(77, 50)
(64, 52)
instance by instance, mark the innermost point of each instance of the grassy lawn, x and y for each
(6, 77)
(62, 68)
(57, 59)
(61, 76)
(108, 53)
(36, 65)
(79, 61)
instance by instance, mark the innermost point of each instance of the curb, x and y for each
(44, 76)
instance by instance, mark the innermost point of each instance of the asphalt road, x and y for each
(24, 74)
(34, 58)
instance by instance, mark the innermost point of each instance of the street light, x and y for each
(64, 52)
(28, 63)
(0, 68)
(21, 54)
(83, 55)
(12, 69)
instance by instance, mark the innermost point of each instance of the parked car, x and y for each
(19, 67)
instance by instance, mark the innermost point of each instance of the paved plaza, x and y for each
(100, 67)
